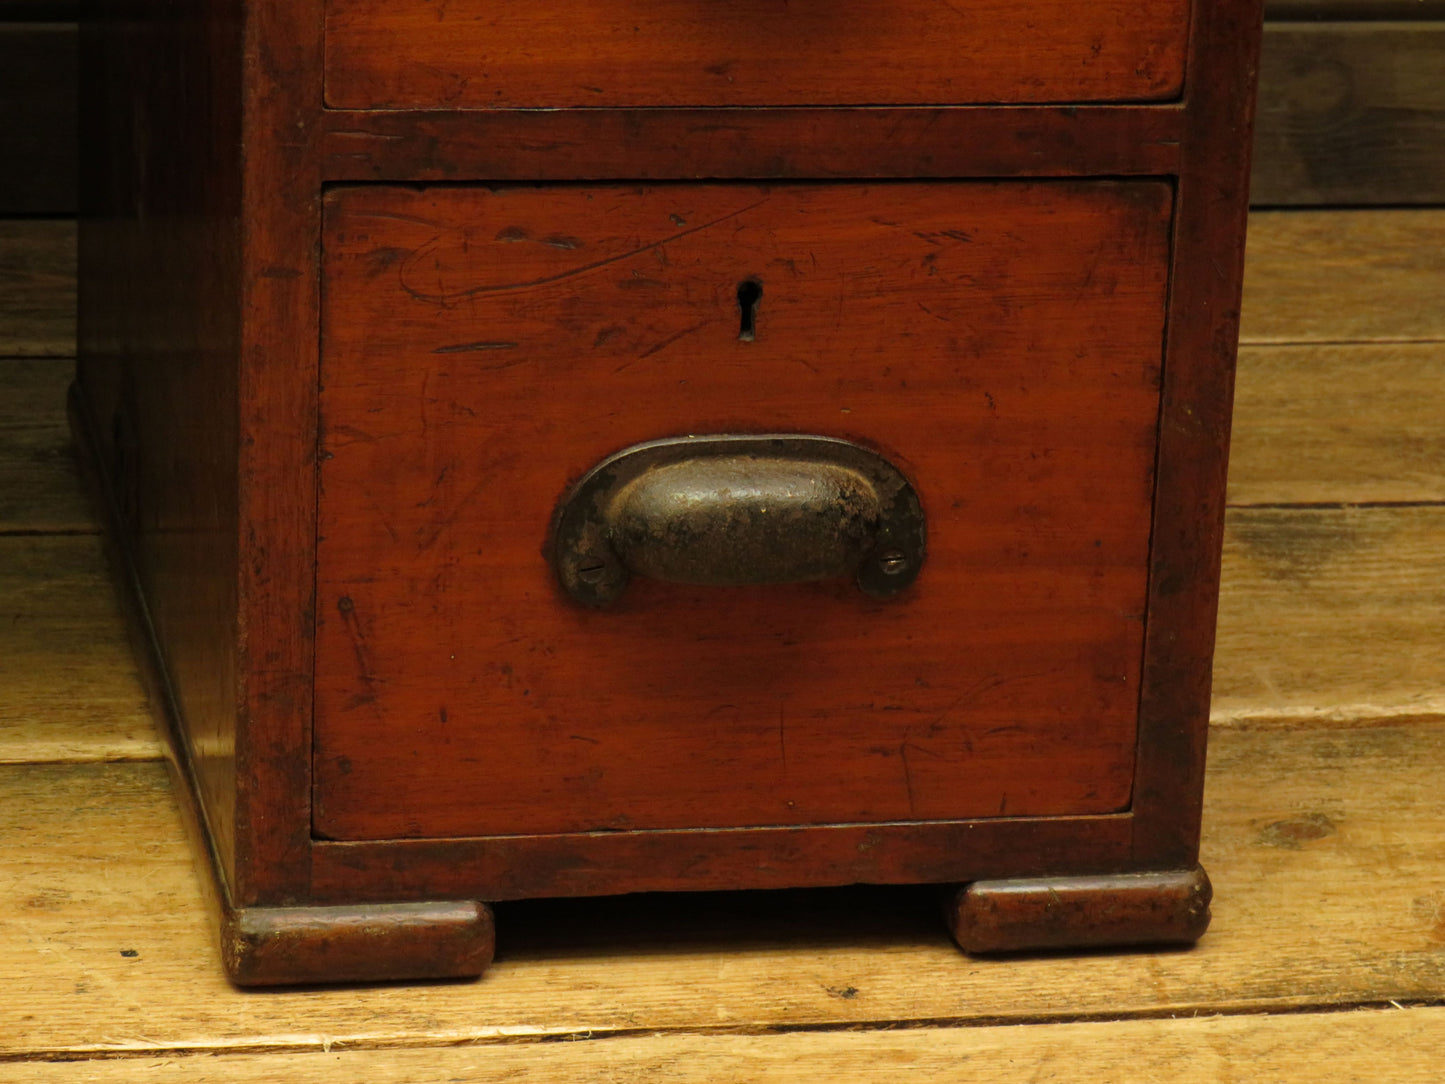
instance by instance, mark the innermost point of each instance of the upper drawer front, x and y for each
(470, 54)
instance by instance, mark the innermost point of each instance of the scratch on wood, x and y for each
(907, 771)
(486, 344)
(427, 536)
(350, 133)
(448, 298)
(670, 340)
(347, 609)
(393, 217)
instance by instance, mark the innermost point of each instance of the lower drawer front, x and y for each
(1000, 343)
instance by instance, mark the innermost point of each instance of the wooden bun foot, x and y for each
(1036, 913)
(279, 946)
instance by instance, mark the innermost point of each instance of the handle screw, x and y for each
(893, 562)
(591, 569)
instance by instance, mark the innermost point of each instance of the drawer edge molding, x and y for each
(642, 144)
(698, 860)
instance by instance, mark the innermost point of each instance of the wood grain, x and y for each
(1187, 531)
(389, 54)
(161, 298)
(1339, 424)
(70, 687)
(1324, 423)
(1348, 113)
(755, 144)
(482, 347)
(277, 386)
(1351, 113)
(1344, 276)
(1310, 276)
(1285, 10)
(1401, 1045)
(1332, 614)
(1327, 615)
(38, 490)
(1347, 826)
(37, 288)
(37, 115)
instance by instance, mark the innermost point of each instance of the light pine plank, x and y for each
(69, 688)
(1326, 614)
(37, 288)
(1331, 614)
(1310, 276)
(1339, 424)
(1344, 276)
(1402, 1046)
(1327, 848)
(1313, 423)
(39, 490)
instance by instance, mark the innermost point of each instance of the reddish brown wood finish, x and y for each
(471, 54)
(267, 946)
(646, 144)
(1188, 537)
(158, 337)
(1029, 914)
(207, 151)
(998, 342)
(278, 946)
(277, 394)
(607, 863)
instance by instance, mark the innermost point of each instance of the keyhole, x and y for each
(750, 292)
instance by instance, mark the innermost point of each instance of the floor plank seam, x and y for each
(321, 1044)
(100, 758)
(1344, 718)
(48, 532)
(1332, 506)
(1310, 344)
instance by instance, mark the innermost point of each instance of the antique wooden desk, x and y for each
(580, 449)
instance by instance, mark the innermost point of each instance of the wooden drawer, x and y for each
(1000, 343)
(474, 54)
(335, 414)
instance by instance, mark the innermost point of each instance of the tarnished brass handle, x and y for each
(732, 510)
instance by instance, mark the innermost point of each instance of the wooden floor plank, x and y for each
(1344, 276)
(1331, 614)
(1310, 276)
(1403, 1046)
(1339, 424)
(37, 288)
(1326, 614)
(71, 690)
(1351, 112)
(39, 490)
(1314, 423)
(1327, 848)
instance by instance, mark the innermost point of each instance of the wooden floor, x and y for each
(1325, 810)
